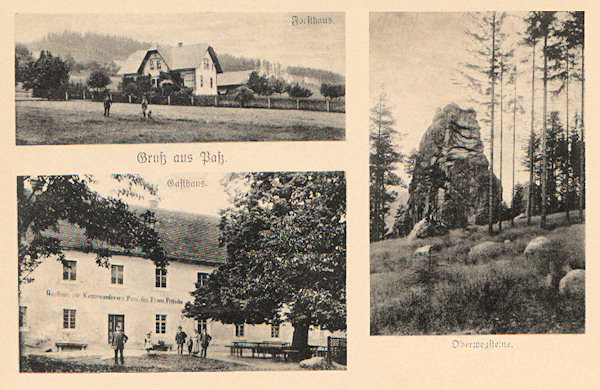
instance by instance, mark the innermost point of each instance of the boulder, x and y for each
(419, 230)
(425, 250)
(537, 244)
(485, 250)
(573, 283)
(314, 363)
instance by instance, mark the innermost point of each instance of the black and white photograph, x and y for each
(477, 173)
(182, 272)
(194, 77)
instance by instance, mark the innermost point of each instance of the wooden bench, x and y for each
(62, 345)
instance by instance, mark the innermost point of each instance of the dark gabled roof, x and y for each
(184, 236)
(176, 57)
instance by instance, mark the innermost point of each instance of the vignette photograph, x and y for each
(161, 78)
(477, 173)
(193, 272)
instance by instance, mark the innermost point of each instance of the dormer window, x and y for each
(69, 270)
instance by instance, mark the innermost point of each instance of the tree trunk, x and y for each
(532, 139)
(544, 135)
(300, 340)
(493, 82)
(500, 195)
(512, 202)
(582, 156)
(566, 200)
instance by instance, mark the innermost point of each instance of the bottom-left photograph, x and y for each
(182, 272)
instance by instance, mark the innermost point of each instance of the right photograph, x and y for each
(477, 173)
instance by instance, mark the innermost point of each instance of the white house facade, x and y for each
(77, 301)
(197, 64)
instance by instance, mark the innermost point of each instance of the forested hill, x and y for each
(87, 47)
(104, 49)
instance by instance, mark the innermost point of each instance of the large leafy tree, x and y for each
(48, 76)
(23, 59)
(383, 161)
(285, 235)
(98, 79)
(108, 224)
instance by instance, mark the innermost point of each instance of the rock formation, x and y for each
(450, 180)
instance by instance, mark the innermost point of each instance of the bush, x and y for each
(297, 91)
(243, 95)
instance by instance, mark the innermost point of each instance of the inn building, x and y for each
(77, 301)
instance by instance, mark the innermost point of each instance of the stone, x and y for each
(485, 250)
(425, 250)
(419, 230)
(573, 283)
(537, 244)
(314, 363)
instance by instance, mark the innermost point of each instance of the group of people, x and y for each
(108, 101)
(196, 343)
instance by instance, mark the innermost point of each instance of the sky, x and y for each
(206, 197)
(270, 36)
(414, 59)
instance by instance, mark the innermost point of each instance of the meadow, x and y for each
(500, 291)
(82, 122)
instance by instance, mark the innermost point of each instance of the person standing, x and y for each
(118, 343)
(196, 342)
(148, 343)
(205, 339)
(107, 103)
(144, 106)
(180, 340)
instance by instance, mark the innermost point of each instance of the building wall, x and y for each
(154, 65)
(94, 297)
(206, 78)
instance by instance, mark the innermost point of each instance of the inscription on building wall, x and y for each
(111, 297)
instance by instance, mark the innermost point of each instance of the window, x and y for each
(211, 82)
(275, 330)
(69, 270)
(161, 278)
(201, 325)
(202, 279)
(206, 64)
(151, 64)
(22, 316)
(69, 318)
(239, 330)
(161, 323)
(157, 64)
(116, 274)
(201, 81)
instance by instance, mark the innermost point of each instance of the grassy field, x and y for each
(82, 122)
(151, 363)
(502, 292)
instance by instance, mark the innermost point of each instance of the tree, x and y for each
(259, 84)
(540, 26)
(382, 163)
(44, 201)
(277, 85)
(285, 235)
(298, 91)
(23, 60)
(243, 95)
(332, 91)
(98, 79)
(48, 76)
(487, 38)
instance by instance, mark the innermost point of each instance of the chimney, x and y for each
(179, 44)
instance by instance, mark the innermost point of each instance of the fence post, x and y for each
(66, 95)
(216, 100)
(297, 104)
(327, 101)
(169, 100)
(192, 99)
(268, 102)
(129, 97)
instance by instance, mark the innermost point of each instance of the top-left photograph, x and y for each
(160, 78)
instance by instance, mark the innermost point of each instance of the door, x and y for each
(114, 321)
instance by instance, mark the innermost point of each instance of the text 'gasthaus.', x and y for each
(160, 158)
